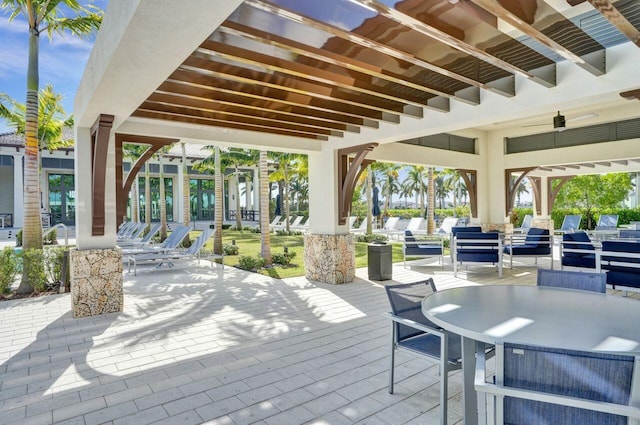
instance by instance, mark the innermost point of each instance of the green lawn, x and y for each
(249, 244)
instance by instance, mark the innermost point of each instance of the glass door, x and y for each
(62, 199)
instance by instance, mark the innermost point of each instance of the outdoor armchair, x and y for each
(413, 332)
(544, 386)
(577, 250)
(586, 281)
(620, 260)
(477, 247)
(536, 243)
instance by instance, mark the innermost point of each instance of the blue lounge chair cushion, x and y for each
(418, 250)
(586, 261)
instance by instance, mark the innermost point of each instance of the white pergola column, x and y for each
(256, 192)
(544, 198)
(96, 263)
(329, 248)
(18, 193)
(491, 186)
(180, 212)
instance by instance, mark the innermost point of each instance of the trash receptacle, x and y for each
(379, 261)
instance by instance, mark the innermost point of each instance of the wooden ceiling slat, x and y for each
(336, 59)
(450, 40)
(252, 78)
(143, 113)
(372, 44)
(214, 106)
(277, 94)
(238, 118)
(352, 82)
(613, 15)
(229, 97)
(520, 14)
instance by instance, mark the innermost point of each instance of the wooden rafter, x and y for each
(123, 188)
(349, 170)
(100, 134)
(512, 187)
(470, 178)
(552, 193)
(613, 15)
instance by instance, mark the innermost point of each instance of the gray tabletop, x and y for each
(543, 316)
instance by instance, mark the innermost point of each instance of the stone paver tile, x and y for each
(158, 398)
(325, 403)
(49, 404)
(191, 402)
(78, 409)
(78, 420)
(220, 408)
(228, 390)
(294, 416)
(263, 379)
(185, 418)
(175, 381)
(202, 385)
(110, 413)
(223, 420)
(128, 394)
(361, 409)
(143, 417)
(45, 418)
(102, 390)
(251, 414)
(291, 399)
(331, 418)
(259, 394)
(294, 382)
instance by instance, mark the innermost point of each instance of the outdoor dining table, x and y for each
(532, 315)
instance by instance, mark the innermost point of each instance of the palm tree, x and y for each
(390, 184)
(51, 123)
(285, 163)
(265, 236)
(414, 183)
(41, 16)
(239, 157)
(431, 202)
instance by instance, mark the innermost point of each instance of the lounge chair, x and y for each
(362, 228)
(447, 224)
(423, 247)
(525, 226)
(171, 243)
(170, 257)
(275, 222)
(390, 226)
(145, 240)
(607, 222)
(570, 224)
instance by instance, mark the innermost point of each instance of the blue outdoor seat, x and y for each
(414, 332)
(576, 250)
(598, 377)
(585, 281)
(477, 247)
(623, 269)
(536, 243)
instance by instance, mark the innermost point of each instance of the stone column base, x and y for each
(330, 258)
(500, 227)
(96, 282)
(543, 223)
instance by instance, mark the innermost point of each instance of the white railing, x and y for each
(66, 232)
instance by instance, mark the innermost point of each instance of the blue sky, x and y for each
(62, 61)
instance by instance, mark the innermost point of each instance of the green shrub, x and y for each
(19, 238)
(370, 237)
(8, 269)
(51, 238)
(53, 258)
(283, 232)
(247, 262)
(229, 249)
(33, 260)
(283, 258)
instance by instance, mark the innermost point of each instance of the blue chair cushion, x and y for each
(537, 237)
(567, 238)
(479, 252)
(586, 261)
(621, 275)
(430, 344)
(527, 249)
(457, 229)
(422, 250)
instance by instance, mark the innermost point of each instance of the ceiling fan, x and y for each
(560, 122)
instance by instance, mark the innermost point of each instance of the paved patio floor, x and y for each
(201, 345)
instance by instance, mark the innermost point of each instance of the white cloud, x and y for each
(12, 62)
(14, 27)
